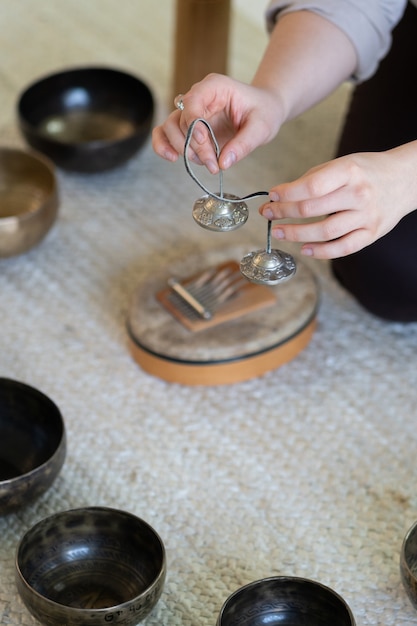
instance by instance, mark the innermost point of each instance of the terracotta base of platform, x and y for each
(221, 373)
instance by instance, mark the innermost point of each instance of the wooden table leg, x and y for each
(201, 41)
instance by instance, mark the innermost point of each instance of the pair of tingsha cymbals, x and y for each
(224, 212)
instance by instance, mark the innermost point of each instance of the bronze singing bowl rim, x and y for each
(40, 604)
(407, 571)
(28, 181)
(280, 584)
(44, 463)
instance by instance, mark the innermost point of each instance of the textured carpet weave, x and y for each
(309, 470)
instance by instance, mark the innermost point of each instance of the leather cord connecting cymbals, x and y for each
(234, 199)
(216, 211)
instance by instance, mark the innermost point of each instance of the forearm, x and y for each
(403, 168)
(306, 59)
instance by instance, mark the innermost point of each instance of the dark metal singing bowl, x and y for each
(88, 119)
(285, 601)
(92, 566)
(408, 564)
(28, 200)
(32, 444)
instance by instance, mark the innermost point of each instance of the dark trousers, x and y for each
(382, 115)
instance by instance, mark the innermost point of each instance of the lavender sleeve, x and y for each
(367, 23)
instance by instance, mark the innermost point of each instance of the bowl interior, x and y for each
(285, 601)
(86, 105)
(26, 183)
(31, 429)
(92, 558)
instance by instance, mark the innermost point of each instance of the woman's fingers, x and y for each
(348, 244)
(333, 236)
(318, 182)
(240, 116)
(333, 209)
(339, 200)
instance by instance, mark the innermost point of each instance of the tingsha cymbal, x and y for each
(220, 214)
(220, 211)
(269, 266)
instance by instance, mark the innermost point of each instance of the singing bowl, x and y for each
(90, 566)
(285, 601)
(32, 444)
(86, 120)
(28, 200)
(408, 564)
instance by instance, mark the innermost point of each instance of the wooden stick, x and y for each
(201, 41)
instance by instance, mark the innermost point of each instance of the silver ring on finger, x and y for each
(178, 102)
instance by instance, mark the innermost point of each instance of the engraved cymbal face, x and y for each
(220, 215)
(268, 267)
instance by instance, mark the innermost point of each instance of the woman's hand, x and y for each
(242, 118)
(345, 204)
(306, 58)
